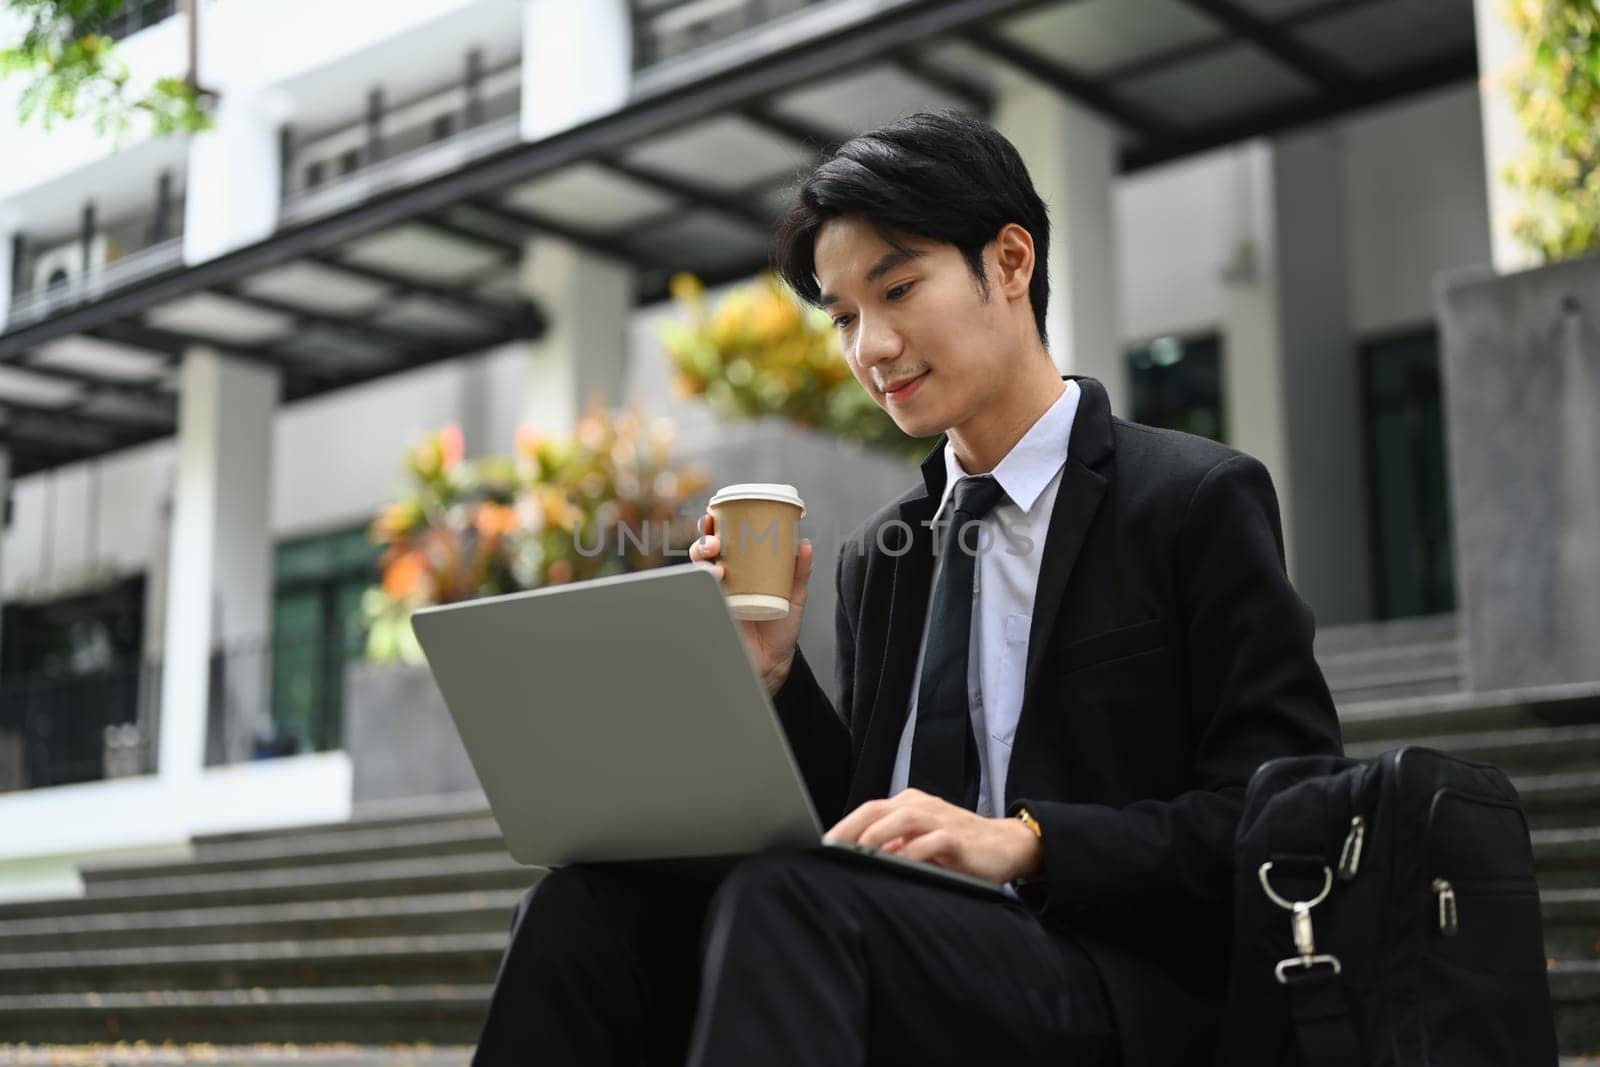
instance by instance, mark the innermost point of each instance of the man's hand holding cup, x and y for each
(750, 540)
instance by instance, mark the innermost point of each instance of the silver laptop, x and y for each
(621, 720)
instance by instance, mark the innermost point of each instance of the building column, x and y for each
(1292, 383)
(5, 496)
(235, 184)
(1072, 156)
(219, 576)
(583, 354)
(1503, 139)
(10, 246)
(577, 63)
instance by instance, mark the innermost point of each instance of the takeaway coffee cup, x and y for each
(758, 525)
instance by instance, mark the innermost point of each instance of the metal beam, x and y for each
(531, 222)
(1461, 67)
(72, 413)
(816, 138)
(359, 330)
(90, 382)
(1306, 62)
(978, 98)
(1070, 83)
(674, 215)
(439, 223)
(707, 199)
(1167, 58)
(505, 318)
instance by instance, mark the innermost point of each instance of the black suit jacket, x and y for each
(1168, 657)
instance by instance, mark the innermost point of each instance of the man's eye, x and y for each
(900, 290)
(842, 321)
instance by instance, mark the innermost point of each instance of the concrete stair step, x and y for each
(167, 1054)
(1571, 919)
(1531, 751)
(438, 913)
(1398, 659)
(1560, 801)
(457, 959)
(1575, 994)
(437, 1014)
(435, 839)
(1566, 859)
(1356, 690)
(370, 816)
(1394, 721)
(1365, 636)
(331, 881)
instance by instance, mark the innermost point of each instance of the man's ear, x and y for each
(1013, 247)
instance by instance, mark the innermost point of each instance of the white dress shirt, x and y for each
(1010, 549)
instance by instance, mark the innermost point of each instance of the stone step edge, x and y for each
(1526, 738)
(1444, 706)
(1346, 682)
(290, 913)
(248, 953)
(321, 998)
(372, 814)
(1333, 661)
(484, 832)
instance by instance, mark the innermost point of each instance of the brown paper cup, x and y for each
(758, 525)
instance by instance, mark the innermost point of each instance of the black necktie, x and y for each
(944, 754)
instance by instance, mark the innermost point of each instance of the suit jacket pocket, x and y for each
(1113, 644)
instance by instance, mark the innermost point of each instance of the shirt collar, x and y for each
(1032, 461)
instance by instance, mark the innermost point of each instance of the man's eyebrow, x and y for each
(889, 262)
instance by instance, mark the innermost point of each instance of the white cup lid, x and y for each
(785, 494)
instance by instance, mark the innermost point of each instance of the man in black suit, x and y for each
(1059, 660)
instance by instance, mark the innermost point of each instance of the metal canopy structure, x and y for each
(689, 176)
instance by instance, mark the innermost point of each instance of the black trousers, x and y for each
(792, 958)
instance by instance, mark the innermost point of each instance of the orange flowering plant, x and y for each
(762, 351)
(605, 500)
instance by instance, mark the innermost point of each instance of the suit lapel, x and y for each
(1083, 486)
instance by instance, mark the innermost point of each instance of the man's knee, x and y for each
(778, 880)
(563, 901)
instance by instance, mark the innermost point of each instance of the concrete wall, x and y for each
(1411, 188)
(1522, 386)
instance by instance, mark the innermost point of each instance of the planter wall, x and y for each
(399, 736)
(1522, 394)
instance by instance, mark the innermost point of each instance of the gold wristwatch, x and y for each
(1030, 822)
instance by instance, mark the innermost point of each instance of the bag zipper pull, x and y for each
(1350, 854)
(1448, 924)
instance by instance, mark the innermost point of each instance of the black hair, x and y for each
(939, 175)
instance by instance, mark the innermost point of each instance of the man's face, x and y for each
(917, 332)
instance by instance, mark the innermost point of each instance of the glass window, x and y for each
(1407, 495)
(1176, 383)
(317, 630)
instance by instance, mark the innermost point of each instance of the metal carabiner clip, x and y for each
(1300, 911)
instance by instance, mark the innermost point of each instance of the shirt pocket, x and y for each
(1013, 663)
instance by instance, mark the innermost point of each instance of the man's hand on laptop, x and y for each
(921, 826)
(770, 644)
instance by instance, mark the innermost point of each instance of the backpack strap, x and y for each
(1321, 1019)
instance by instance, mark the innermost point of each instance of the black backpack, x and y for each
(1408, 883)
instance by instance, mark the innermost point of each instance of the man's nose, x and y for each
(877, 342)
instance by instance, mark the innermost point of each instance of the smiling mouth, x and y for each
(902, 383)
